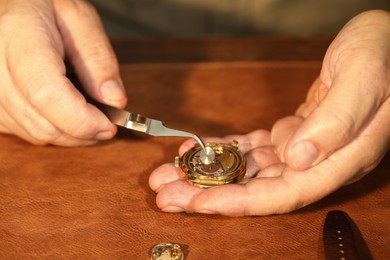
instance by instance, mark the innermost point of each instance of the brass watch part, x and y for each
(167, 251)
(228, 166)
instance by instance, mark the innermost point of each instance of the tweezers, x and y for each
(144, 124)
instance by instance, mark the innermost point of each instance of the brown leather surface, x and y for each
(94, 202)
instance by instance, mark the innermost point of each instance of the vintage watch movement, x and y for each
(167, 251)
(227, 164)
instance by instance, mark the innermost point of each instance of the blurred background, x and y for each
(193, 18)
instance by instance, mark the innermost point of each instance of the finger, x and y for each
(175, 196)
(21, 119)
(231, 200)
(282, 131)
(273, 170)
(316, 94)
(46, 104)
(259, 159)
(9, 126)
(164, 174)
(90, 51)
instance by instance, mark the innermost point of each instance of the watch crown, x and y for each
(235, 144)
(177, 161)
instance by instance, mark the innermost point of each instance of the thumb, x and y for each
(342, 113)
(355, 75)
(89, 51)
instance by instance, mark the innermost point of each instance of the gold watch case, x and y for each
(228, 166)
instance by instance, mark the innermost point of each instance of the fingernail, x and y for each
(207, 211)
(303, 154)
(112, 91)
(172, 209)
(104, 135)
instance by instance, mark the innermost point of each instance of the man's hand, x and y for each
(336, 137)
(37, 101)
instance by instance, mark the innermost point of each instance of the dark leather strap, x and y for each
(338, 237)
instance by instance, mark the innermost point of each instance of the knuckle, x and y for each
(345, 123)
(44, 133)
(41, 130)
(84, 123)
(75, 124)
(83, 127)
(40, 94)
(75, 121)
(81, 8)
(100, 53)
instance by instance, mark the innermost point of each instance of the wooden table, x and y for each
(95, 203)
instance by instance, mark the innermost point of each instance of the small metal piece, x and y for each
(227, 166)
(177, 161)
(207, 155)
(167, 251)
(235, 144)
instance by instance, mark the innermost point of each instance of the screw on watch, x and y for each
(227, 166)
